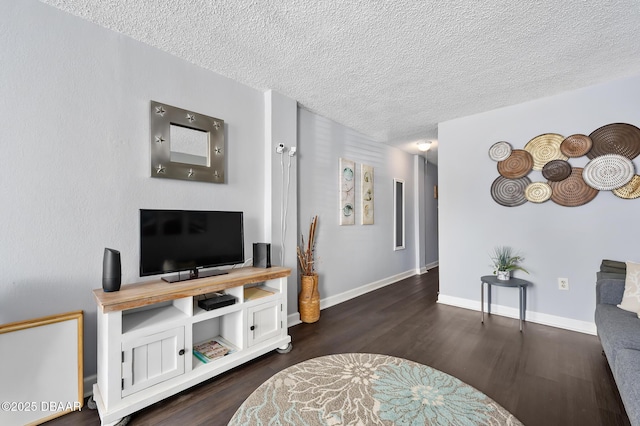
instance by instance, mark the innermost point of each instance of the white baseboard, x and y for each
(88, 384)
(530, 316)
(426, 268)
(294, 319)
(350, 294)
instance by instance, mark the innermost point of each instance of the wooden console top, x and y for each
(150, 292)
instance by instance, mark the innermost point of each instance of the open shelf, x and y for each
(200, 314)
(146, 319)
(197, 362)
(260, 292)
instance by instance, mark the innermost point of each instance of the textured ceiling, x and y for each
(390, 69)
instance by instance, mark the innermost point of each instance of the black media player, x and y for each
(216, 301)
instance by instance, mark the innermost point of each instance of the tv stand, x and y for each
(147, 331)
(193, 275)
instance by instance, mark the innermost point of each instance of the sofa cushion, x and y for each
(627, 375)
(609, 289)
(610, 275)
(631, 297)
(614, 266)
(617, 329)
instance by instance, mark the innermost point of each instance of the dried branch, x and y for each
(306, 254)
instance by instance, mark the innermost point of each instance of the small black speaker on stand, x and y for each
(262, 255)
(111, 270)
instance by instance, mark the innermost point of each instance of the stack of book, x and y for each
(210, 350)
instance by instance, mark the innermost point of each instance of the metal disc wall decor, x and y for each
(576, 145)
(500, 151)
(556, 170)
(545, 148)
(617, 138)
(509, 192)
(608, 172)
(573, 191)
(538, 192)
(517, 165)
(630, 190)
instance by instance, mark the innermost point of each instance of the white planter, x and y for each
(504, 275)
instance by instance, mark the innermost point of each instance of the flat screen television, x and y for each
(189, 240)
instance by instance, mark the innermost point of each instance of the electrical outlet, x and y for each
(563, 283)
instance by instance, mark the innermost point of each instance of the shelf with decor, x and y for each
(147, 332)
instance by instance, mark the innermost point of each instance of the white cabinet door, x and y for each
(264, 322)
(152, 359)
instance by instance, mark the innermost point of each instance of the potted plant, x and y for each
(309, 297)
(506, 260)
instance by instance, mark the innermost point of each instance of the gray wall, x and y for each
(556, 241)
(74, 168)
(431, 215)
(351, 256)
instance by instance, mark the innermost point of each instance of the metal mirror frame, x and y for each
(162, 116)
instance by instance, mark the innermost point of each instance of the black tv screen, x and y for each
(180, 240)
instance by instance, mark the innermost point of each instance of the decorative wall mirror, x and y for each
(398, 214)
(186, 145)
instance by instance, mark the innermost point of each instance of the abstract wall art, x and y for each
(347, 192)
(610, 150)
(367, 194)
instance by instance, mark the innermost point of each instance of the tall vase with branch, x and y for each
(309, 297)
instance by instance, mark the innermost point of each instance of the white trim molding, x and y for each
(530, 316)
(294, 319)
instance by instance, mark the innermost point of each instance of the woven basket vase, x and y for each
(309, 299)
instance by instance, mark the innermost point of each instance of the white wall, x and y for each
(556, 241)
(75, 156)
(356, 255)
(281, 187)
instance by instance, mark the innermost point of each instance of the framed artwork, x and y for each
(367, 194)
(398, 214)
(41, 378)
(347, 192)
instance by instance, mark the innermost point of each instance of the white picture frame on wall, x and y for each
(367, 194)
(347, 192)
(42, 359)
(398, 215)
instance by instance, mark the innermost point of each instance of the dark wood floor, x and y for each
(544, 376)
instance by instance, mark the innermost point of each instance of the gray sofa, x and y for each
(619, 333)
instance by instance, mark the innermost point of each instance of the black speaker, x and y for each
(111, 270)
(262, 255)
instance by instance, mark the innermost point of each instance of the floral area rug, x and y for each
(366, 389)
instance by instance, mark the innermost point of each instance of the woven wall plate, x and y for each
(517, 165)
(545, 148)
(608, 172)
(576, 145)
(629, 191)
(617, 138)
(573, 191)
(556, 170)
(538, 192)
(509, 192)
(500, 151)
